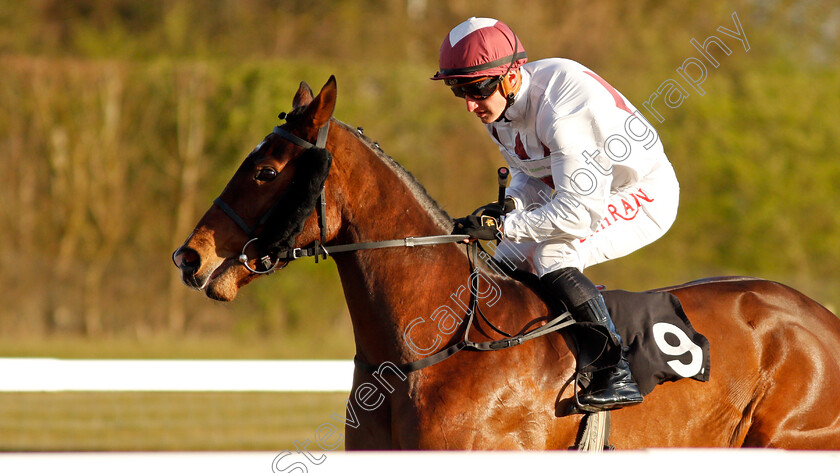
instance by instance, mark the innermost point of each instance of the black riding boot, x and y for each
(612, 387)
(612, 384)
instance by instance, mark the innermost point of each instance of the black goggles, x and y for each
(478, 89)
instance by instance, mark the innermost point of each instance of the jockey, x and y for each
(590, 181)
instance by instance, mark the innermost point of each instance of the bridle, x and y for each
(283, 255)
(317, 249)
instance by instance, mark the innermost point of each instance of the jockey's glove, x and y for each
(484, 222)
(493, 209)
(481, 227)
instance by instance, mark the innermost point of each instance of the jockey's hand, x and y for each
(493, 209)
(483, 227)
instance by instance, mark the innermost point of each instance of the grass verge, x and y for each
(162, 421)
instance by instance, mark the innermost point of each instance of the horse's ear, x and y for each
(323, 106)
(303, 97)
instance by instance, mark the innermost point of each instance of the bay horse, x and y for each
(775, 353)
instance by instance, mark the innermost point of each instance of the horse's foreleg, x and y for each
(370, 432)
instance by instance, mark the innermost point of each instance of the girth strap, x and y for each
(561, 321)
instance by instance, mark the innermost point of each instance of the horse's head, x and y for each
(268, 206)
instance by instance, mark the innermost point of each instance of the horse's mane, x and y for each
(428, 202)
(440, 216)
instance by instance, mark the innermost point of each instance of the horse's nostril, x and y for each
(186, 259)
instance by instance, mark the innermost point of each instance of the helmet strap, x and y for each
(509, 91)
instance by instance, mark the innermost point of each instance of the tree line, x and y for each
(123, 119)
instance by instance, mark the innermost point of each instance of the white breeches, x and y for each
(636, 216)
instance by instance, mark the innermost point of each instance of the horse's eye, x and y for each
(266, 174)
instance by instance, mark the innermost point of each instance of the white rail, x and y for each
(52, 375)
(653, 461)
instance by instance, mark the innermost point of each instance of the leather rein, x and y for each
(318, 249)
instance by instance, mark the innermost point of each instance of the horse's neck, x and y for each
(388, 290)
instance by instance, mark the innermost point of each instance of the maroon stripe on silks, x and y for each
(549, 181)
(619, 101)
(496, 135)
(519, 148)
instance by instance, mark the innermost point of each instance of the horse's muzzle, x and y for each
(188, 261)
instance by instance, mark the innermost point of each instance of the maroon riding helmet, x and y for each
(476, 49)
